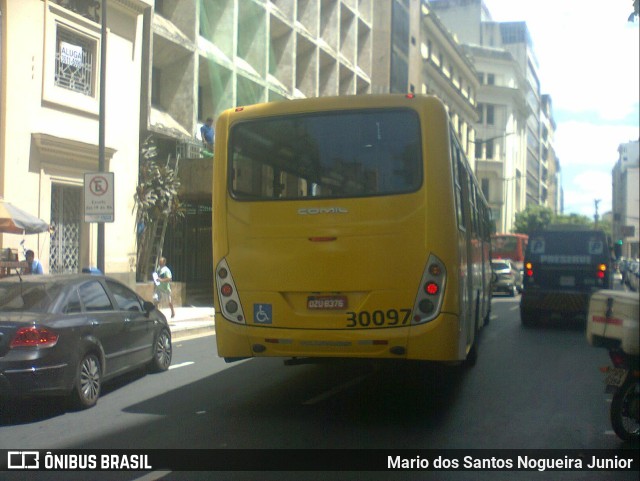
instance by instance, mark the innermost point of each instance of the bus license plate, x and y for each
(567, 281)
(327, 302)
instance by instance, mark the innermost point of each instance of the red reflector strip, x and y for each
(606, 320)
(322, 239)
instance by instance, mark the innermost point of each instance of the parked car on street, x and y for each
(508, 278)
(67, 334)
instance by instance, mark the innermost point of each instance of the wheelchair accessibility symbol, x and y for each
(262, 313)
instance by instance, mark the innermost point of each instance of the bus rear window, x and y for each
(327, 155)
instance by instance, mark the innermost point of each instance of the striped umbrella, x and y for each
(17, 221)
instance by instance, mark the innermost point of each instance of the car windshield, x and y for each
(27, 297)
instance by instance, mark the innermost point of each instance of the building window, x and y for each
(485, 188)
(480, 112)
(156, 75)
(489, 149)
(87, 9)
(490, 115)
(491, 79)
(75, 61)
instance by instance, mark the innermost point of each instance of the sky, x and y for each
(588, 55)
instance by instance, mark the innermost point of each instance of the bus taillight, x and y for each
(430, 296)
(228, 294)
(431, 288)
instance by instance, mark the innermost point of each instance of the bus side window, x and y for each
(456, 184)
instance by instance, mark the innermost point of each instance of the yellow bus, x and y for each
(347, 227)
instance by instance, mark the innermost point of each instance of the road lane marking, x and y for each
(514, 308)
(153, 476)
(176, 366)
(336, 390)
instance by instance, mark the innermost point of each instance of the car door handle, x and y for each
(93, 322)
(127, 320)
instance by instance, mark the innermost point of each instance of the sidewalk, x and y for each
(190, 321)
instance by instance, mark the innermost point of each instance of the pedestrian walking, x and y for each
(162, 279)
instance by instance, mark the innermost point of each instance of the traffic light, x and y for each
(617, 248)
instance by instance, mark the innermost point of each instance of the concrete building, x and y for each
(49, 118)
(501, 149)
(210, 56)
(472, 23)
(626, 198)
(414, 52)
(550, 185)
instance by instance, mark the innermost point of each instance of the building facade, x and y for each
(507, 45)
(626, 198)
(49, 130)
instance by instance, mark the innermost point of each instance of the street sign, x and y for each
(98, 197)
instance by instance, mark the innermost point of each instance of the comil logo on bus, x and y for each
(323, 210)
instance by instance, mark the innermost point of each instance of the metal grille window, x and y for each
(64, 254)
(75, 62)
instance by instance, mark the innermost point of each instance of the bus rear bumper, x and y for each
(437, 340)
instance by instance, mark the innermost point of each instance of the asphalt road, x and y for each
(537, 388)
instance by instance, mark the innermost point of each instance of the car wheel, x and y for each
(86, 389)
(161, 352)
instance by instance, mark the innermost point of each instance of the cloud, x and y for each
(583, 189)
(587, 153)
(581, 144)
(588, 53)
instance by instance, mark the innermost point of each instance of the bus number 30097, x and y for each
(392, 317)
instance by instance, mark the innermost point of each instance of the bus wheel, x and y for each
(472, 356)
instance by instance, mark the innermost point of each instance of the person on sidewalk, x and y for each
(162, 278)
(33, 265)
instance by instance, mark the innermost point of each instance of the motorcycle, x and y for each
(623, 380)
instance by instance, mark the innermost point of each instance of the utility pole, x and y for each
(101, 124)
(596, 216)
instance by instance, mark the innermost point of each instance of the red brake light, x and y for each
(33, 336)
(431, 288)
(226, 290)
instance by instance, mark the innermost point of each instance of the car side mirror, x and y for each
(148, 306)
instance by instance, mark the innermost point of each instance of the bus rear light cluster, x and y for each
(430, 296)
(228, 294)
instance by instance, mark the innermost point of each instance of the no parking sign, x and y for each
(98, 197)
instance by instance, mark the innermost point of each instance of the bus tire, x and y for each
(472, 355)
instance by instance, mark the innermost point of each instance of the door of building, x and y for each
(66, 204)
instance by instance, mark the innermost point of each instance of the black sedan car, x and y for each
(67, 334)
